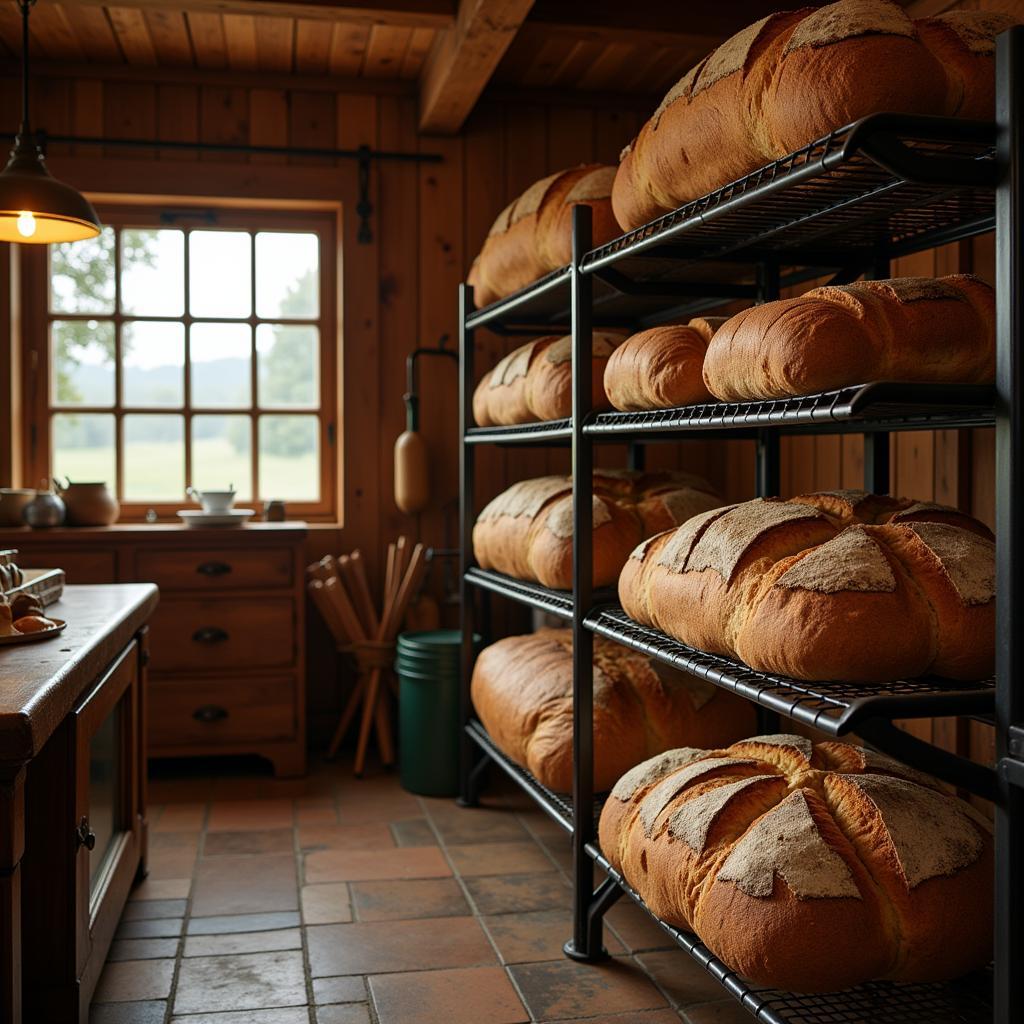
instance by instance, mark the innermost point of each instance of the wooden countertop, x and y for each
(41, 682)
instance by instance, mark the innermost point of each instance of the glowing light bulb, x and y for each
(26, 224)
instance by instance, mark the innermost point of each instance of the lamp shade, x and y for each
(35, 207)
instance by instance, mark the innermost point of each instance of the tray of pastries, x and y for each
(22, 620)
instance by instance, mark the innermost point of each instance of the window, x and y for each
(183, 352)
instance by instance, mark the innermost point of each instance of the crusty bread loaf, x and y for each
(522, 693)
(837, 585)
(526, 531)
(907, 329)
(807, 866)
(661, 367)
(534, 382)
(787, 80)
(533, 234)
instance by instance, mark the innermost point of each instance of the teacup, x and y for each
(214, 503)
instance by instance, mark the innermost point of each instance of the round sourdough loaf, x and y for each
(522, 693)
(906, 329)
(837, 585)
(807, 866)
(661, 367)
(526, 531)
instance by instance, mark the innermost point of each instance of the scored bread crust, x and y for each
(526, 531)
(806, 866)
(522, 693)
(813, 587)
(906, 329)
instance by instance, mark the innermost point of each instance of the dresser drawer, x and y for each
(79, 566)
(214, 712)
(215, 569)
(205, 634)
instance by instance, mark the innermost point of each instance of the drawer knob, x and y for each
(210, 713)
(213, 569)
(84, 835)
(210, 635)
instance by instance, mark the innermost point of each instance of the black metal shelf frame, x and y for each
(847, 204)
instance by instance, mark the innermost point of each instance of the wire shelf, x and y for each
(833, 707)
(554, 602)
(863, 408)
(965, 1001)
(546, 432)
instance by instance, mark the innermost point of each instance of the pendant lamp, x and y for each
(35, 207)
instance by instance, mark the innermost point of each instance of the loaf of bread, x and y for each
(526, 531)
(533, 234)
(791, 78)
(908, 329)
(661, 367)
(534, 382)
(829, 586)
(522, 693)
(807, 866)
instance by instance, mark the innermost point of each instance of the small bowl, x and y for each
(12, 503)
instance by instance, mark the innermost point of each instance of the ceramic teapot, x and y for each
(45, 509)
(88, 504)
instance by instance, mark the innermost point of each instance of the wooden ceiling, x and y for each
(454, 48)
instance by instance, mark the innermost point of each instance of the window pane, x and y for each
(82, 275)
(222, 454)
(221, 357)
(288, 458)
(83, 447)
(82, 362)
(154, 457)
(288, 358)
(152, 272)
(153, 361)
(287, 275)
(220, 273)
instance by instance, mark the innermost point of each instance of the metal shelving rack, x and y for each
(842, 207)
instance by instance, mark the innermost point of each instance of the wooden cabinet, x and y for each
(227, 674)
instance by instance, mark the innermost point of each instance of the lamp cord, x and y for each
(24, 5)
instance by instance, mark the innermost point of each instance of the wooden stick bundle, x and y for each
(341, 592)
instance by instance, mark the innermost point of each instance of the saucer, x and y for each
(199, 518)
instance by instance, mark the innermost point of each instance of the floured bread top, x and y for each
(851, 561)
(669, 788)
(786, 841)
(654, 768)
(929, 833)
(640, 551)
(677, 550)
(692, 822)
(596, 184)
(603, 345)
(680, 90)
(731, 56)
(503, 221)
(967, 559)
(525, 498)
(916, 289)
(529, 202)
(790, 740)
(514, 365)
(849, 18)
(977, 29)
(728, 538)
(559, 518)
(686, 502)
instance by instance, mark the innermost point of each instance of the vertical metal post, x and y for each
(1009, 888)
(876, 445)
(585, 943)
(467, 796)
(636, 456)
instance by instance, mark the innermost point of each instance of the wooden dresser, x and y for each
(227, 674)
(72, 799)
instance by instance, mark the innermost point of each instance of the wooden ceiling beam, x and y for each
(438, 14)
(463, 58)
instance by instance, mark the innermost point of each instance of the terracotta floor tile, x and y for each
(370, 836)
(681, 978)
(154, 908)
(134, 980)
(162, 889)
(369, 865)
(226, 924)
(243, 942)
(507, 894)
(414, 832)
(142, 949)
(328, 903)
(250, 815)
(636, 929)
(563, 988)
(245, 885)
(385, 947)
(537, 935)
(275, 840)
(476, 825)
(249, 981)
(149, 1012)
(281, 1015)
(728, 1012)
(339, 990)
(150, 928)
(355, 808)
(326, 814)
(180, 818)
(498, 858)
(172, 854)
(473, 995)
(644, 1017)
(411, 898)
(343, 1013)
